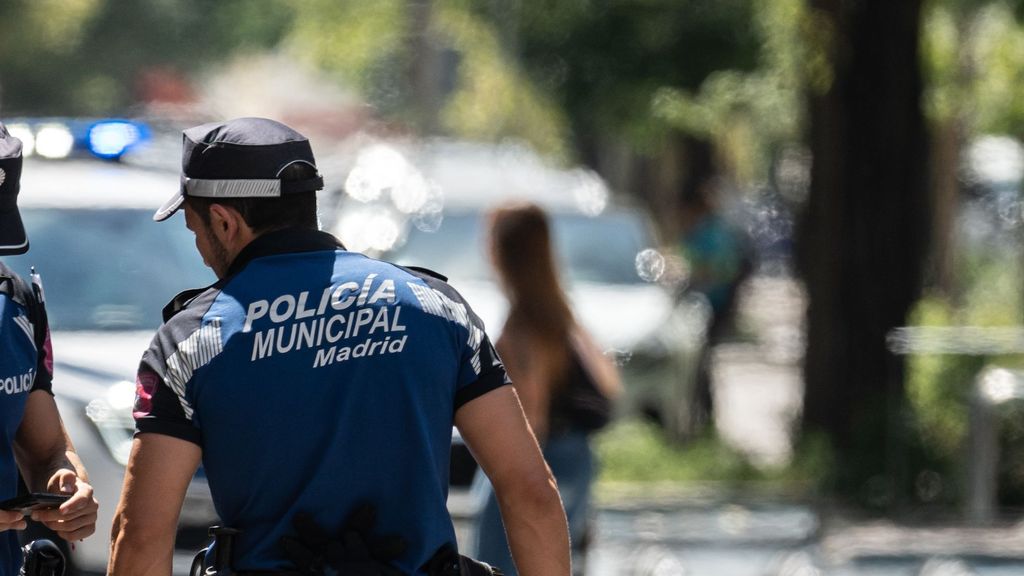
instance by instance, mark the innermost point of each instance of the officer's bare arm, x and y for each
(48, 462)
(497, 433)
(142, 536)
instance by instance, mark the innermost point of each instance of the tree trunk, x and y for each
(424, 68)
(945, 150)
(864, 237)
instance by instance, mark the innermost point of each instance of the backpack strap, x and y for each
(37, 310)
(31, 298)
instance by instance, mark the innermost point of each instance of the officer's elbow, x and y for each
(536, 491)
(135, 548)
(121, 536)
(125, 533)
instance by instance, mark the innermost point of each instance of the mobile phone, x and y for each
(26, 503)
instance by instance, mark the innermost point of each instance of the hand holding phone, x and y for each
(26, 503)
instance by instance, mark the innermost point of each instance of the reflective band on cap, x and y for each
(15, 246)
(232, 188)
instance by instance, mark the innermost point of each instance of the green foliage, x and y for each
(493, 98)
(748, 113)
(939, 386)
(973, 56)
(998, 53)
(635, 451)
(56, 26)
(622, 71)
(940, 48)
(635, 456)
(813, 464)
(1011, 456)
(375, 47)
(358, 41)
(86, 56)
(556, 74)
(606, 63)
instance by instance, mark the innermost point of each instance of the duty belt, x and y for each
(445, 562)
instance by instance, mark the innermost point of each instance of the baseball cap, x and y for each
(12, 231)
(241, 158)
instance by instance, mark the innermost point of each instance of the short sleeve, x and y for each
(481, 372)
(158, 408)
(182, 345)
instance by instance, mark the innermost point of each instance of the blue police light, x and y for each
(110, 139)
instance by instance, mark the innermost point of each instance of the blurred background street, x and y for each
(710, 529)
(796, 227)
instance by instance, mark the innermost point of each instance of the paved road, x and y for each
(766, 539)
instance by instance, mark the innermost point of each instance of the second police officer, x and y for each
(32, 437)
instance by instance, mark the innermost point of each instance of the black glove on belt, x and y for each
(355, 552)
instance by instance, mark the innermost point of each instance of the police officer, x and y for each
(32, 437)
(312, 381)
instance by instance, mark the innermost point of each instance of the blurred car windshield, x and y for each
(108, 269)
(600, 249)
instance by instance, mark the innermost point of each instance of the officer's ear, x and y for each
(228, 225)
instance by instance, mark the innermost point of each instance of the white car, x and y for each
(423, 204)
(107, 271)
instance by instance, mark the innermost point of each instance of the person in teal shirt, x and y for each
(718, 255)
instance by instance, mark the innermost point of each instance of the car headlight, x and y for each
(112, 416)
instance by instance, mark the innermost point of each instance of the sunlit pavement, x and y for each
(765, 539)
(685, 539)
(756, 376)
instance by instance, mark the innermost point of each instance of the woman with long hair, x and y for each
(565, 383)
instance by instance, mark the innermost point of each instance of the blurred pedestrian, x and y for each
(319, 387)
(719, 258)
(32, 437)
(566, 384)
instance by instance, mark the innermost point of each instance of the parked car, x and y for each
(107, 271)
(423, 204)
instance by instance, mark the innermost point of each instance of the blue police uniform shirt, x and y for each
(315, 379)
(26, 365)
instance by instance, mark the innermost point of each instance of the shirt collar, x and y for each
(288, 240)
